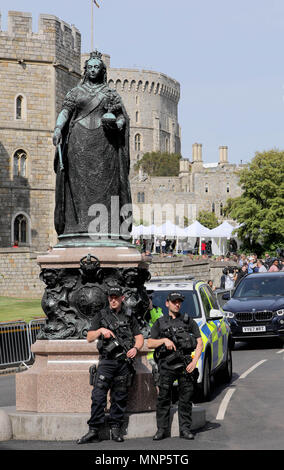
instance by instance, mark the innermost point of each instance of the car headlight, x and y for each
(229, 314)
(280, 312)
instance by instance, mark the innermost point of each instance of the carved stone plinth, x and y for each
(58, 381)
(77, 283)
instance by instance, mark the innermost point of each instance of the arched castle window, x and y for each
(167, 146)
(137, 142)
(213, 207)
(221, 208)
(206, 187)
(20, 107)
(228, 188)
(137, 116)
(20, 230)
(137, 99)
(20, 163)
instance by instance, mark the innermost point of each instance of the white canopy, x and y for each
(223, 231)
(197, 230)
(169, 229)
(137, 231)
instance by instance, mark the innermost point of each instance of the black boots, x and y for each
(186, 435)
(116, 435)
(160, 434)
(91, 436)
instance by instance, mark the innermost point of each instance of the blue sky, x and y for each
(227, 56)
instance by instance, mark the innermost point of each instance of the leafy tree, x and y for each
(159, 164)
(208, 219)
(260, 208)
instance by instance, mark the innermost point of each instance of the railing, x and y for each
(16, 339)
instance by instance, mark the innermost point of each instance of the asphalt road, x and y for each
(247, 414)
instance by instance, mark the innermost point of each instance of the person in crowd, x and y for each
(210, 284)
(261, 267)
(228, 278)
(163, 245)
(158, 246)
(274, 266)
(203, 246)
(241, 273)
(267, 260)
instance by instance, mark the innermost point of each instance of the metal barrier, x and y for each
(16, 339)
(34, 328)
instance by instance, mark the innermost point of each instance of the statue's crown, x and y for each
(96, 55)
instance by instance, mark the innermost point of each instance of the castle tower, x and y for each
(36, 71)
(223, 154)
(151, 100)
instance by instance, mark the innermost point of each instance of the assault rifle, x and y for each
(185, 343)
(119, 345)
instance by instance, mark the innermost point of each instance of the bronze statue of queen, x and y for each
(92, 158)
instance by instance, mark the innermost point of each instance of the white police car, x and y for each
(200, 303)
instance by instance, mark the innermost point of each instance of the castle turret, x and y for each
(37, 70)
(223, 154)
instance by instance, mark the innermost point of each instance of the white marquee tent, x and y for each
(219, 235)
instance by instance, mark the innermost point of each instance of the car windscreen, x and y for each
(190, 304)
(260, 287)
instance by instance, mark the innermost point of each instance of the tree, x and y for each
(260, 208)
(159, 164)
(208, 219)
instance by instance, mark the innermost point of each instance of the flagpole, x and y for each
(92, 25)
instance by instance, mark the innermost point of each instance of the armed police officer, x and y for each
(119, 341)
(174, 338)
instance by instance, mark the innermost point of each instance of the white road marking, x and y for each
(224, 404)
(280, 352)
(247, 372)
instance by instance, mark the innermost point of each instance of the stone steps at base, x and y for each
(71, 426)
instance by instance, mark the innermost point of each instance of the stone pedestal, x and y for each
(110, 256)
(58, 381)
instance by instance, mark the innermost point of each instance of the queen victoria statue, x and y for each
(93, 210)
(91, 136)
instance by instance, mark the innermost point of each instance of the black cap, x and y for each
(175, 296)
(115, 290)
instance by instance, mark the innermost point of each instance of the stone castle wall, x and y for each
(19, 274)
(41, 67)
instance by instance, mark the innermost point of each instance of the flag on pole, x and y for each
(96, 3)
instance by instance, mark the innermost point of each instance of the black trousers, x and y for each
(111, 375)
(186, 389)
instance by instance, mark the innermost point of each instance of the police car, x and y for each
(201, 304)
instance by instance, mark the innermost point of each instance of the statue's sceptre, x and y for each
(61, 166)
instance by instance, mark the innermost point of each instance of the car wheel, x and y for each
(231, 343)
(225, 375)
(206, 381)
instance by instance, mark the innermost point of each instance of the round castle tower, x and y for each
(151, 100)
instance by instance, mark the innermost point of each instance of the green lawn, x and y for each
(12, 309)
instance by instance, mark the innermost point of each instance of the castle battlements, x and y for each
(145, 81)
(55, 42)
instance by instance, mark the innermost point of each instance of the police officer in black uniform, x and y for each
(174, 337)
(119, 341)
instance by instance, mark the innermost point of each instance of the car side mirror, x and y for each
(215, 314)
(226, 296)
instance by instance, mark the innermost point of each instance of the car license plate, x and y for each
(253, 329)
